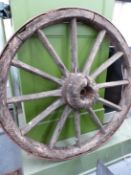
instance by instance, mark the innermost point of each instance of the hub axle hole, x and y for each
(87, 92)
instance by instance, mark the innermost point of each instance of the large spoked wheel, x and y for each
(77, 89)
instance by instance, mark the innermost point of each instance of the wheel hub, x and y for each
(78, 91)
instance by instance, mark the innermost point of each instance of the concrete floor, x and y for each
(122, 167)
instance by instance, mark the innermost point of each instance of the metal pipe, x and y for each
(10, 153)
(2, 35)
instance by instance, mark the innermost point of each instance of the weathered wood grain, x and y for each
(106, 64)
(112, 84)
(94, 51)
(73, 44)
(96, 119)
(59, 127)
(31, 69)
(42, 37)
(110, 104)
(35, 96)
(77, 128)
(42, 116)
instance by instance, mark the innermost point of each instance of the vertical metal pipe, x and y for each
(10, 153)
(2, 35)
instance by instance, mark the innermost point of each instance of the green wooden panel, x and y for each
(24, 10)
(33, 53)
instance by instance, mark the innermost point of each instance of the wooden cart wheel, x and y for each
(77, 89)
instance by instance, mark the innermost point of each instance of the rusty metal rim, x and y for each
(44, 20)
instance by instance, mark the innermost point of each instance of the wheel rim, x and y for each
(72, 96)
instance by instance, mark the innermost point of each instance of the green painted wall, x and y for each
(33, 53)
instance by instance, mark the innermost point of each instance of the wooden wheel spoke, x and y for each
(31, 69)
(112, 84)
(110, 104)
(96, 119)
(42, 37)
(42, 116)
(106, 64)
(77, 127)
(94, 51)
(59, 126)
(73, 44)
(35, 96)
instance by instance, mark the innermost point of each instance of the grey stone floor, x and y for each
(122, 167)
(10, 155)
